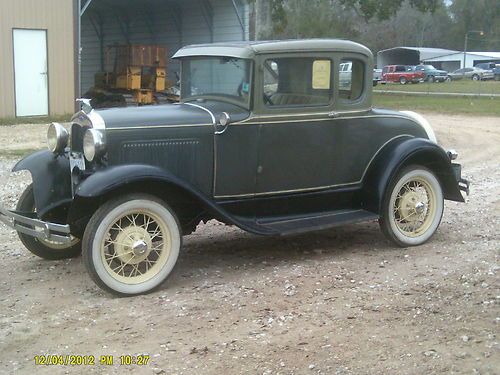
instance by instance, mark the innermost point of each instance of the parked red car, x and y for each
(402, 74)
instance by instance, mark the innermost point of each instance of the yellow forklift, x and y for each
(133, 75)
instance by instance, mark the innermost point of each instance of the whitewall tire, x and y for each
(131, 244)
(412, 207)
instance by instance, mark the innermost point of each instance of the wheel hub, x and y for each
(139, 247)
(410, 206)
(133, 244)
(420, 207)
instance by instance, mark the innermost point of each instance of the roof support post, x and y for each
(208, 14)
(85, 6)
(98, 24)
(176, 18)
(240, 19)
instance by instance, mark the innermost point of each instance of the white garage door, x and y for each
(30, 72)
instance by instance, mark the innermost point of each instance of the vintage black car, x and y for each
(264, 138)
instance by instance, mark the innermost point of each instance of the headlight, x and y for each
(93, 144)
(57, 138)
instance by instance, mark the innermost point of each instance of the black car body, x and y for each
(264, 138)
(432, 74)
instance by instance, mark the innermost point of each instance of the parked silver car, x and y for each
(475, 74)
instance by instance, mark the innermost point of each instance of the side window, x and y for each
(351, 82)
(297, 81)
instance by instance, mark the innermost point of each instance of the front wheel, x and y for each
(412, 207)
(45, 249)
(131, 244)
(403, 80)
(475, 77)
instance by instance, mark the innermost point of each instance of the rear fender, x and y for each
(403, 152)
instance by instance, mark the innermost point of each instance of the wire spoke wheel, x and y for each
(413, 207)
(136, 247)
(131, 244)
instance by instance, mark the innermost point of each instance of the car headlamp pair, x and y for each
(93, 141)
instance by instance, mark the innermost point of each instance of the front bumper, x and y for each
(463, 184)
(22, 222)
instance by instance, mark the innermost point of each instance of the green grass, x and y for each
(462, 86)
(34, 120)
(479, 106)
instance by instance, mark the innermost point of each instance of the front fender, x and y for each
(51, 179)
(399, 154)
(106, 180)
(103, 184)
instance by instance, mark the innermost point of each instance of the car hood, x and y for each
(196, 113)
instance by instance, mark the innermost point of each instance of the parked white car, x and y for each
(476, 74)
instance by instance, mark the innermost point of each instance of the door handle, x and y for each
(220, 129)
(223, 123)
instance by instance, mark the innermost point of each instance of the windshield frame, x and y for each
(222, 97)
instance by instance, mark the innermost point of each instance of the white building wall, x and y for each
(456, 60)
(194, 30)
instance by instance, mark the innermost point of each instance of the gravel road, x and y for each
(340, 301)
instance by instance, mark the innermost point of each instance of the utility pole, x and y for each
(480, 32)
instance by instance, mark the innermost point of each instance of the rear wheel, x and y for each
(131, 244)
(412, 208)
(43, 248)
(475, 77)
(431, 79)
(403, 80)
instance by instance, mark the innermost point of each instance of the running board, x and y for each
(293, 225)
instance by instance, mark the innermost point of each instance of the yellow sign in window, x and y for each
(321, 73)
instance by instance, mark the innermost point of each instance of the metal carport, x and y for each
(408, 55)
(172, 23)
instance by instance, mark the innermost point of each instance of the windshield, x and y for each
(429, 67)
(222, 77)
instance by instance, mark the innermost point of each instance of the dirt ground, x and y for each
(341, 301)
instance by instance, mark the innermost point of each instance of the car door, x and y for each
(295, 137)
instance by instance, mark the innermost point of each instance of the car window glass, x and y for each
(351, 82)
(217, 76)
(293, 81)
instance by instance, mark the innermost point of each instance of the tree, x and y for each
(385, 9)
(483, 15)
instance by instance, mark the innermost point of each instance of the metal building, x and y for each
(51, 49)
(456, 60)
(409, 55)
(441, 58)
(37, 69)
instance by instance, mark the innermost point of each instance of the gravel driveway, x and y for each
(340, 301)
